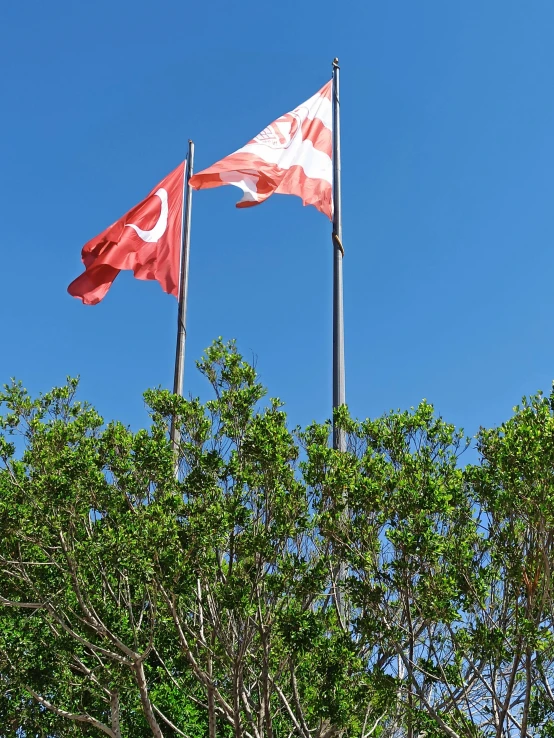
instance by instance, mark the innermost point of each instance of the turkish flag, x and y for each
(147, 240)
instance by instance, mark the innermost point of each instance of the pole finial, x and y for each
(336, 61)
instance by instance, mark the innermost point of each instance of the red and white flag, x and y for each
(147, 240)
(292, 156)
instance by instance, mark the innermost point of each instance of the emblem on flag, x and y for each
(281, 133)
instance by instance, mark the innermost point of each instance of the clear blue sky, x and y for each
(448, 188)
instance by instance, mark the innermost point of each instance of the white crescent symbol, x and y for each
(154, 234)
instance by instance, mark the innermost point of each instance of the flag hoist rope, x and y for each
(183, 288)
(337, 240)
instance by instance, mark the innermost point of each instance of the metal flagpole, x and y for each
(183, 288)
(339, 393)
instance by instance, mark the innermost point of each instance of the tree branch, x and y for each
(76, 717)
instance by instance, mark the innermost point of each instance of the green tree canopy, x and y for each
(273, 586)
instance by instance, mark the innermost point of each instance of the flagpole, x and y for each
(339, 392)
(183, 287)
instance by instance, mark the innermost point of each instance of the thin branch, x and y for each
(76, 717)
(167, 721)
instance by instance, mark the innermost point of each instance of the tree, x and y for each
(398, 514)
(135, 601)
(513, 625)
(138, 603)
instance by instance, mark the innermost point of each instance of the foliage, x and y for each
(269, 585)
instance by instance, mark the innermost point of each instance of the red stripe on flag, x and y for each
(269, 179)
(317, 132)
(326, 90)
